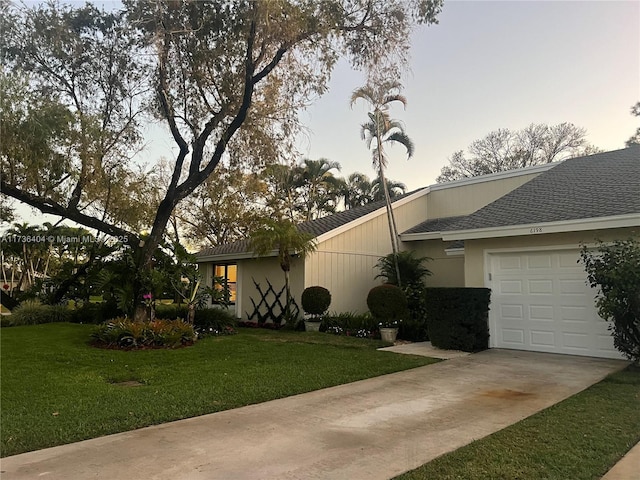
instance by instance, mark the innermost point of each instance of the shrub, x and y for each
(32, 312)
(172, 311)
(361, 325)
(214, 321)
(387, 303)
(457, 318)
(96, 313)
(316, 300)
(411, 269)
(126, 334)
(615, 269)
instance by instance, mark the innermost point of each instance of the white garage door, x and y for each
(540, 301)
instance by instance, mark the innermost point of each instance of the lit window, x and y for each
(229, 274)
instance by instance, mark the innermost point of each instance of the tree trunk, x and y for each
(287, 307)
(393, 230)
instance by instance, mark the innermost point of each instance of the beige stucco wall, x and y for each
(474, 268)
(262, 269)
(447, 270)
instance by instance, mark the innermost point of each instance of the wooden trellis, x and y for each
(274, 303)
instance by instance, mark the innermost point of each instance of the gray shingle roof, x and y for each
(600, 185)
(315, 227)
(434, 225)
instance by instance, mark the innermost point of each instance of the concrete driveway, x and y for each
(372, 429)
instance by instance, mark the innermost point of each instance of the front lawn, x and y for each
(57, 389)
(578, 439)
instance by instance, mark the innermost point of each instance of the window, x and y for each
(229, 274)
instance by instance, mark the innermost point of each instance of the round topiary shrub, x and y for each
(387, 303)
(316, 300)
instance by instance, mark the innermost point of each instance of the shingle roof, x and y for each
(434, 225)
(600, 185)
(315, 227)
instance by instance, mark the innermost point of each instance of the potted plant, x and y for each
(388, 305)
(315, 303)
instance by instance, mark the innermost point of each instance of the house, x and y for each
(517, 233)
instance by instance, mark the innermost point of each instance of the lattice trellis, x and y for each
(275, 308)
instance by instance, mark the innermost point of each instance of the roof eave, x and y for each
(563, 226)
(414, 237)
(227, 257)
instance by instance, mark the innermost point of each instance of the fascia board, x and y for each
(413, 237)
(226, 257)
(577, 225)
(369, 216)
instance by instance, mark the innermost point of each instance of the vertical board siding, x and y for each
(466, 199)
(346, 264)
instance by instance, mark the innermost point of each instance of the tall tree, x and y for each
(504, 149)
(635, 138)
(381, 129)
(318, 188)
(220, 76)
(283, 237)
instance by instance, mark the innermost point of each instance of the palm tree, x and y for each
(356, 190)
(394, 188)
(319, 187)
(283, 237)
(383, 129)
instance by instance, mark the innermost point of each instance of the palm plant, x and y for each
(382, 129)
(356, 190)
(394, 188)
(319, 187)
(283, 237)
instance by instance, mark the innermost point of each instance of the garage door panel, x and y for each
(513, 337)
(576, 340)
(569, 260)
(540, 287)
(542, 338)
(537, 262)
(572, 286)
(512, 312)
(542, 302)
(510, 262)
(510, 287)
(541, 312)
(576, 313)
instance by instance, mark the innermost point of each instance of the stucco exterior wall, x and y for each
(262, 269)
(447, 270)
(474, 268)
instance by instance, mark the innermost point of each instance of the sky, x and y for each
(489, 65)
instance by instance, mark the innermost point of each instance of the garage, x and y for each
(540, 301)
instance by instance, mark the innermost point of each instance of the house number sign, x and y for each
(535, 230)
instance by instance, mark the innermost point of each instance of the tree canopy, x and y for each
(505, 149)
(225, 78)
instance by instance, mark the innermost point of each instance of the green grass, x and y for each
(578, 439)
(57, 389)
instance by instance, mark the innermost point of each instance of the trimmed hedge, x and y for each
(315, 300)
(457, 318)
(387, 303)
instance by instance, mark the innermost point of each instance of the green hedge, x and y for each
(32, 312)
(457, 318)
